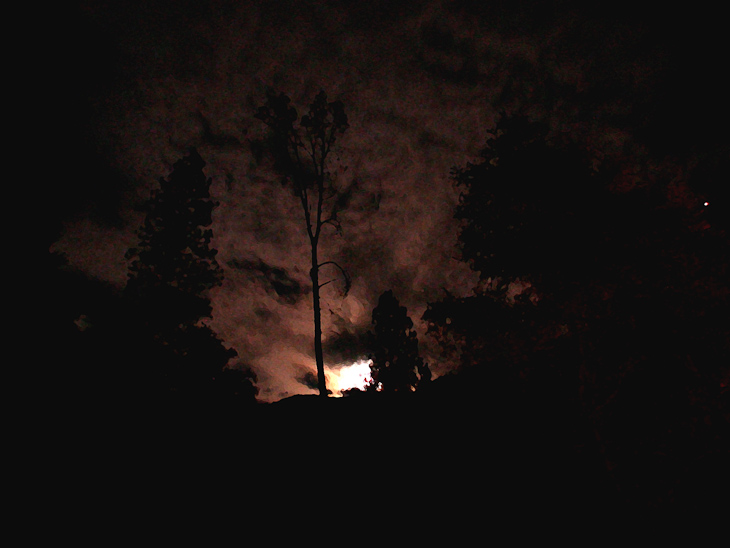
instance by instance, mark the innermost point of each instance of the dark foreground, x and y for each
(501, 456)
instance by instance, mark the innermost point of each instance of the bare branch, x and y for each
(330, 192)
(335, 223)
(345, 275)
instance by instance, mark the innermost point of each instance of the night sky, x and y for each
(137, 83)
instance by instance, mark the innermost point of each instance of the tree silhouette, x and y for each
(302, 153)
(532, 213)
(626, 313)
(528, 207)
(397, 366)
(171, 272)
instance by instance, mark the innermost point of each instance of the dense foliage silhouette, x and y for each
(171, 272)
(529, 206)
(622, 317)
(397, 365)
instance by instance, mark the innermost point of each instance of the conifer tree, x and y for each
(171, 273)
(397, 366)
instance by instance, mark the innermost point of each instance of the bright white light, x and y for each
(707, 203)
(356, 375)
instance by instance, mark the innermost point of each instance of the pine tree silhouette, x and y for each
(170, 274)
(397, 366)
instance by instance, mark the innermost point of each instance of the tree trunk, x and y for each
(318, 354)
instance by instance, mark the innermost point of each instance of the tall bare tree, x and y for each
(302, 151)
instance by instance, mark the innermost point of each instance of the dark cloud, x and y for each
(308, 379)
(267, 316)
(217, 137)
(447, 56)
(274, 279)
(348, 346)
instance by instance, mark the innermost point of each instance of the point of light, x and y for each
(706, 204)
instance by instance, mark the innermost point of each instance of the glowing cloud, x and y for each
(356, 375)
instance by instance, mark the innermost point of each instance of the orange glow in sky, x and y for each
(356, 375)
